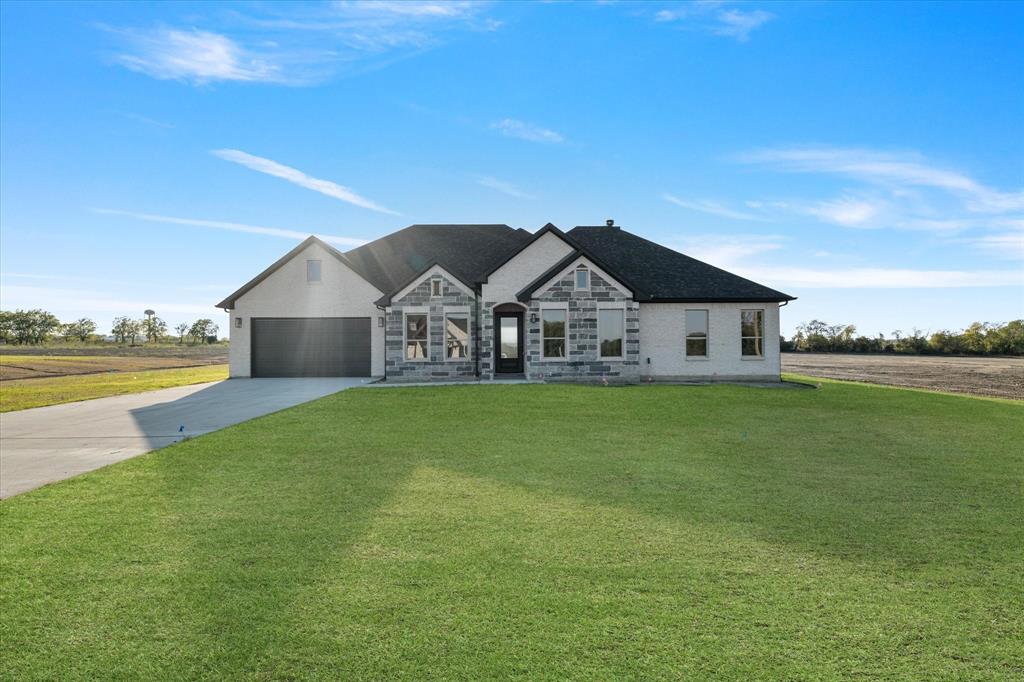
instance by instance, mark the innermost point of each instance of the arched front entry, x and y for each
(509, 338)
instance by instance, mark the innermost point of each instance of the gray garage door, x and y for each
(311, 347)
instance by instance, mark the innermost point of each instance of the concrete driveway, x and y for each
(48, 444)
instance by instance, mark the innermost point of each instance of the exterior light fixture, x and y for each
(533, 318)
(238, 323)
(380, 321)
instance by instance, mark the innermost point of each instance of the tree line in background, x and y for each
(39, 326)
(981, 338)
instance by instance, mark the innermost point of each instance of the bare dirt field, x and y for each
(996, 377)
(56, 361)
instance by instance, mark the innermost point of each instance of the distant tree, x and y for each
(126, 330)
(6, 326)
(202, 329)
(182, 330)
(29, 326)
(83, 328)
(974, 337)
(980, 338)
(66, 331)
(153, 327)
(1007, 339)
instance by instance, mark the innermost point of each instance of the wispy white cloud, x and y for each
(1001, 245)
(302, 44)
(155, 123)
(738, 24)
(713, 208)
(297, 177)
(899, 190)
(234, 227)
(880, 278)
(894, 171)
(845, 211)
(511, 127)
(726, 251)
(717, 18)
(745, 254)
(503, 187)
(66, 302)
(417, 9)
(195, 56)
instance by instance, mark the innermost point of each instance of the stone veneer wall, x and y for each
(583, 359)
(437, 368)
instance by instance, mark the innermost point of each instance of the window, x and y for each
(435, 287)
(582, 278)
(553, 331)
(457, 336)
(696, 333)
(312, 271)
(610, 326)
(416, 336)
(752, 332)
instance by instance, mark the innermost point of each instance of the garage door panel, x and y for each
(310, 346)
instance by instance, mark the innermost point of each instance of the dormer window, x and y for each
(312, 271)
(435, 287)
(582, 279)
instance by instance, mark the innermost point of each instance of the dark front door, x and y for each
(509, 342)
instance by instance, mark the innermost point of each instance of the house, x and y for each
(465, 302)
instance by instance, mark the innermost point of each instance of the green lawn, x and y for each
(539, 532)
(24, 393)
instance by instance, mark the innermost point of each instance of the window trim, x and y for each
(460, 312)
(405, 334)
(743, 356)
(320, 271)
(611, 306)
(565, 338)
(576, 280)
(707, 336)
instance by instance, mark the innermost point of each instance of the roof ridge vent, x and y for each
(611, 223)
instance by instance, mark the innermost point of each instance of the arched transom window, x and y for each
(582, 278)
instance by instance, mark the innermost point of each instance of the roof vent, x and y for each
(610, 222)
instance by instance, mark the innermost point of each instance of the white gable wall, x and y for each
(663, 342)
(526, 266)
(285, 293)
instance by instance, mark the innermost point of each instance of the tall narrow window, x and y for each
(610, 326)
(696, 333)
(553, 330)
(457, 336)
(582, 278)
(435, 287)
(312, 271)
(752, 332)
(416, 339)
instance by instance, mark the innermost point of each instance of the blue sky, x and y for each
(868, 158)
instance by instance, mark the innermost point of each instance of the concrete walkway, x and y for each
(48, 444)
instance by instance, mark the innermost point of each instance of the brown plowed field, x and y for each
(22, 365)
(996, 377)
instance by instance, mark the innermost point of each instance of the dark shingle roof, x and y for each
(472, 252)
(657, 273)
(467, 251)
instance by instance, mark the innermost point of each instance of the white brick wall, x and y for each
(663, 332)
(341, 293)
(529, 264)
